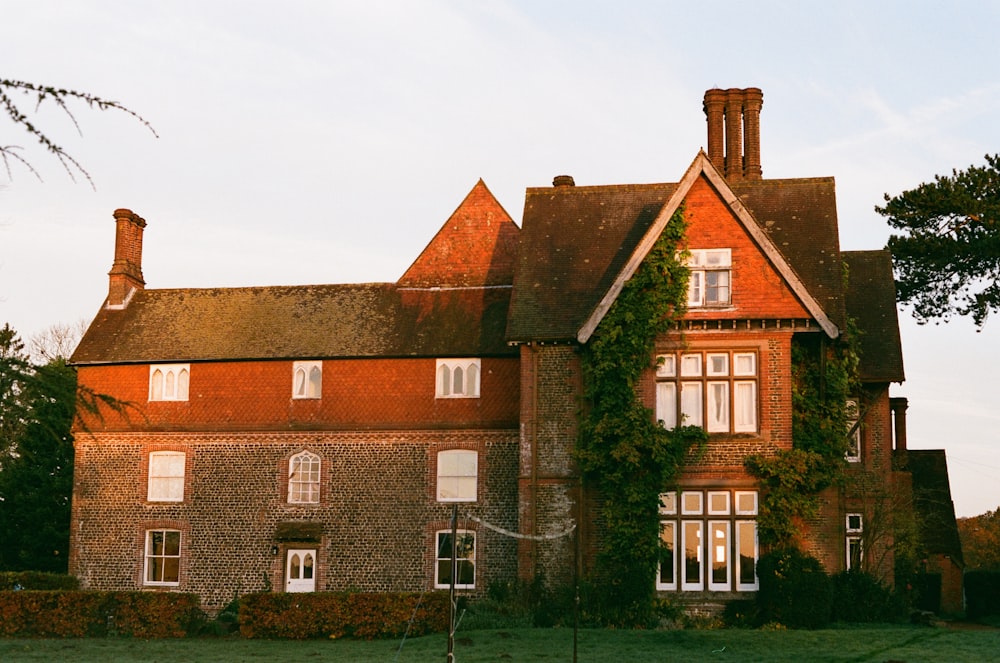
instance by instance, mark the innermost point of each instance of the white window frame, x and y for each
(307, 379)
(710, 530)
(858, 526)
(717, 390)
(457, 378)
(668, 541)
(716, 549)
(851, 543)
(738, 557)
(305, 472)
(703, 264)
(165, 480)
(442, 555)
(457, 475)
(169, 382)
(151, 556)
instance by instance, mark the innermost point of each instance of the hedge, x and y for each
(37, 580)
(300, 616)
(73, 614)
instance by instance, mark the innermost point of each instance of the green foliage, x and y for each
(64, 614)
(824, 378)
(947, 255)
(795, 591)
(859, 598)
(622, 450)
(333, 615)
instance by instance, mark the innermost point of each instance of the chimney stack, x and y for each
(733, 117)
(899, 405)
(125, 276)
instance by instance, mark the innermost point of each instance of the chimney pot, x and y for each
(563, 180)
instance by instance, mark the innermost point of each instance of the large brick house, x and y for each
(310, 438)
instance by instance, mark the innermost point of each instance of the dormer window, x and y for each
(709, 283)
(169, 382)
(307, 379)
(457, 378)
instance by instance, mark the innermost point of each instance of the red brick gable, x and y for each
(477, 246)
(758, 290)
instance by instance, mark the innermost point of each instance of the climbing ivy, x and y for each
(824, 377)
(623, 452)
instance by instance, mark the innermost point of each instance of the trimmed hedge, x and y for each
(11, 580)
(74, 614)
(368, 616)
(982, 593)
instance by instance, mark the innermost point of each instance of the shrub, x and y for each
(61, 614)
(858, 597)
(14, 580)
(982, 593)
(342, 614)
(794, 589)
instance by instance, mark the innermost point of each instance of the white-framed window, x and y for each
(304, 478)
(714, 548)
(162, 558)
(709, 282)
(166, 476)
(854, 550)
(169, 382)
(716, 390)
(465, 554)
(457, 378)
(457, 475)
(307, 379)
(853, 454)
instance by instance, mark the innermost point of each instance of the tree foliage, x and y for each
(13, 91)
(980, 537)
(947, 253)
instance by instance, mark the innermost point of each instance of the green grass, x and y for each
(878, 644)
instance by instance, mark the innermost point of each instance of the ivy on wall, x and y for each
(623, 452)
(824, 378)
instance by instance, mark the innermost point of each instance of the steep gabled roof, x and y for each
(579, 245)
(298, 322)
(476, 246)
(932, 501)
(870, 299)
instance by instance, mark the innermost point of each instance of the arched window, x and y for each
(457, 378)
(169, 382)
(303, 478)
(307, 379)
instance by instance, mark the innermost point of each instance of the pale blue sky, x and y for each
(325, 142)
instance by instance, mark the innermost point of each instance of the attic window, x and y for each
(709, 283)
(457, 378)
(169, 382)
(307, 379)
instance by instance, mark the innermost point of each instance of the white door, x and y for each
(300, 571)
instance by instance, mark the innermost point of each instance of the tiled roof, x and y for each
(871, 301)
(321, 321)
(576, 239)
(933, 503)
(476, 246)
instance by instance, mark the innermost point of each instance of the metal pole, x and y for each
(451, 584)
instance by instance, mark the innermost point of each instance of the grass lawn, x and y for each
(911, 644)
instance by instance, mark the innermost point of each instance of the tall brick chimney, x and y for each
(733, 118)
(125, 276)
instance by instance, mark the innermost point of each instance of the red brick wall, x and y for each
(758, 290)
(357, 394)
(378, 512)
